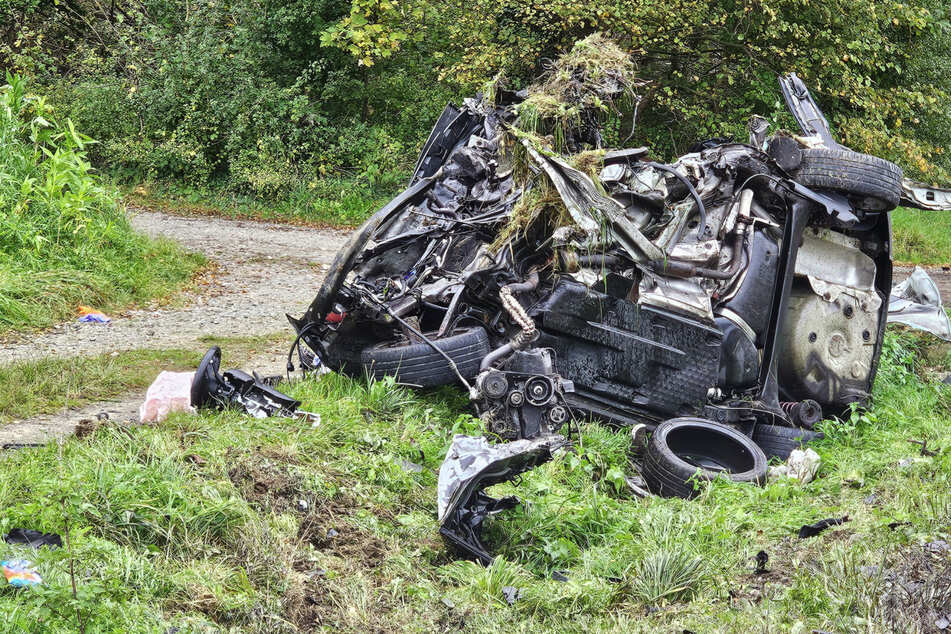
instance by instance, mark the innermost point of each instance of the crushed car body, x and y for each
(729, 300)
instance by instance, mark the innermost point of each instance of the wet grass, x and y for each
(222, 522)
(45, 386)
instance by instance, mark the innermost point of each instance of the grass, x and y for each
(328, 201)
(922, 237)
(221, 522)
(45, 386)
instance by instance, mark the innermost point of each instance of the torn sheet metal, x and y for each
(582, 197)
(916, 302)
(472, 465)
(922, 196)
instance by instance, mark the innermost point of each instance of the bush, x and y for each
(265, 96)
(64, 239)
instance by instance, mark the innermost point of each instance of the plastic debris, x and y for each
(170, 392)
(411, 467)
(20, 573)
(802, 464)
(91, 315)
(916, 302)
(32, 538)
(811, 530)
(511, 594)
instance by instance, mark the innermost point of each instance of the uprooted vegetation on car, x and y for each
(197, 522)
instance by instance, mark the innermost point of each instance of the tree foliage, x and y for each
(268, 93)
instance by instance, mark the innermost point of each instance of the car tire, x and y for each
(779, 442)
(682, 450)
(418, 364)
(873, 183)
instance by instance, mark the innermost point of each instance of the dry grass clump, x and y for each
(569, 101)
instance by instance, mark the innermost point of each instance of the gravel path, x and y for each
(264, 271)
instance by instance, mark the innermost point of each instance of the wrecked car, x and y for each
(729, 300)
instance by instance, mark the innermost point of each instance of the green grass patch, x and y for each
(44, 386)
(332, 201)
(922, 237)
(222, 521)
(64, 236)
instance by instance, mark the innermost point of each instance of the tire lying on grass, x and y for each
(418, 364)
(779, 442)
(684, 449)
(873, 184)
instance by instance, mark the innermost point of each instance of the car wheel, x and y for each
(418, 364)
(684, 449)
(779, 442)
(873, 183)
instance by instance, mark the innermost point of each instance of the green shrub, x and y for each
(64, 238)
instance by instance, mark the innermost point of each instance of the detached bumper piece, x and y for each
(472, 465)
(212, 389)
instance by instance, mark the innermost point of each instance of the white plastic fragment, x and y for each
(916, 302)
(802, 465)
(170, 392)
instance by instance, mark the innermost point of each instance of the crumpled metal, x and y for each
(916, 303)
(473, 464)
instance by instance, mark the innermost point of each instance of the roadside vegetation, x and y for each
(270, 100)
(276, 525)
(922, 237)
(64, 237)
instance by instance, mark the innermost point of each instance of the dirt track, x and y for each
(264, 271)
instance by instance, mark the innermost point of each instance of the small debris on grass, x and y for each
(92, 315)
(811, 530)
(939, 546)
(801, 465)
(559, 576)
(20, 573)
(854, 479)
(302, 505)
(511, 594)
(944, 622)
(170, 392)
(637, 486)
(924, 447)
(13, 446)
(411, 467)
(87, 427)
(893, 525)
(331, 533)
(907, 463)
(32, 538)
(762, 558)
